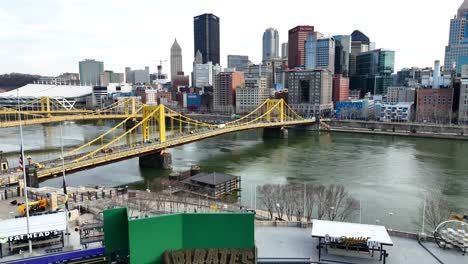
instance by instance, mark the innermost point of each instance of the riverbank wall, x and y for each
(399, 129)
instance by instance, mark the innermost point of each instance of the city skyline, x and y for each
(50, 37)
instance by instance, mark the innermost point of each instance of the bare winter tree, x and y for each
(268, 199)
(320, 194)
(295, 201)
(289, 198)
(299, 200)
(279, 197)
(310, 201)
(351, 205)
(335, 196)
(437, 211)
(339, 204)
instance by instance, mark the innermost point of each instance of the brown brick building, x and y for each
(224, 91)
(340, 88)
(434, 105)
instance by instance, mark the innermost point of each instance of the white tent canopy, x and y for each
(39, 223)
(375, 233)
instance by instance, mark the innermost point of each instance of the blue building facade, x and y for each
(349, 109)
(356, 109)
(193, 102)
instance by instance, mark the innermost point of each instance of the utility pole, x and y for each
(24, 176)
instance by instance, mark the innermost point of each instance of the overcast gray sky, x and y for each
(49, 37)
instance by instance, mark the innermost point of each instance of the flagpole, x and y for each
(24, 173)
(64, 185)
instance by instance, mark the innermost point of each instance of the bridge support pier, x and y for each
(275, 132)
(159, 160)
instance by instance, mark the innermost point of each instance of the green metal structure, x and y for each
(145, 240)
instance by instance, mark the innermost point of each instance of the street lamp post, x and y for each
(390, 214)
(278, 206)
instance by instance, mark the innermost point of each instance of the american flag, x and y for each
(21, 159)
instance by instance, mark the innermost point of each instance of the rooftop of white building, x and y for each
(59, 91)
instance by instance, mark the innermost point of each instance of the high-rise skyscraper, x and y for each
(326, 54)
(176, 59)
(359, 43)
(296, 39)
(342, 52)
(239, 62)
(456, 52)
(284, 50)
(270, 44)
(204, 74)
(198, 58)
(90, 72)
(310, 51)
(320, 52)
(374, 71)
(206, 37)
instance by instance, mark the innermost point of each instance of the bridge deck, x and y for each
(142, 149)
(56, 119)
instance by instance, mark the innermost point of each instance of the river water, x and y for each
(389, 175)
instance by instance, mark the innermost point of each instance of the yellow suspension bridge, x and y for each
(160, 128)
(48, 110)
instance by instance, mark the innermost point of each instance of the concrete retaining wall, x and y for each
(401, 129)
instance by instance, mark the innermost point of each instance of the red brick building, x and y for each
(340, 88)
(180, 80)
(434, 105)
(296, 39)
(282, 94)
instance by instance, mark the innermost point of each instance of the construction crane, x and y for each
(160, 66)
(161, 61)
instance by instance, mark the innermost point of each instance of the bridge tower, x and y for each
(275, 104)
(275, 132)
(130, 106)
(45, 105)
(160, 116)
(130, 109)
(161, 159)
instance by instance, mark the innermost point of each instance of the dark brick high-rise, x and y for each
(296, 39)
(206, 37)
